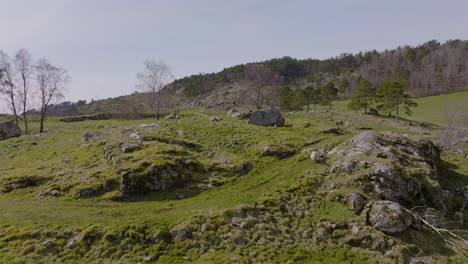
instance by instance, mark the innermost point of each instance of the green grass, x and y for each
(62, 160)
(431, 109)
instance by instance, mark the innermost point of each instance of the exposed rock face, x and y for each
(9, 129)
(156, 178)
(267, 117)
(395, 168)
(388, 216)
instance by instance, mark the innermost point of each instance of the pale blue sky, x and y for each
(102, 43)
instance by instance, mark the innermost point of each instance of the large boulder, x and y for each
(267, 117)
(9, 129)
(388, 217)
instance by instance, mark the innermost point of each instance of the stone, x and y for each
(90, 136)
(129, 147)
(373, 111)
(134, 136)
(148, 259)
(180, 132)
(232, 111)
(355, 202)
(191, 118)
(244, 168)
(388, 217)
(150, 125)
(432, 216)
(129, 129)
(416, 261)
(215, 119)
(339, 122)
(276, 151)
(314, 156)
(267, 117)
(172, 116)
(9, 129)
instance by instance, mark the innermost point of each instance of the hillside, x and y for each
(428, 69)
(199, 191)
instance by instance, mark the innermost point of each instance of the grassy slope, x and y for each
(22, 212)
(431, 109)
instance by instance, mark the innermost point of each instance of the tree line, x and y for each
(390, 97)
(25, 82)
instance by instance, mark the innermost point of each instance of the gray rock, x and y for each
(129, 147)
(134, 136)
(150, 125)
(244, 168)
(129, 129)
(180, 132)
(191, 118)
(373, 111)
(416, 261)
(432, 216)
(355, 202)
(9, 129)
(267, 117)
(215, 119)
(388, 217)
(232, 111)
(339, 122)
(172, 116)
(90, 136)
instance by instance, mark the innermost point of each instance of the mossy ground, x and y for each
(61, 160)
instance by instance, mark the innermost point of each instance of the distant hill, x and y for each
(429, 69)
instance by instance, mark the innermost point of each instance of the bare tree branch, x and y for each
(155, 76)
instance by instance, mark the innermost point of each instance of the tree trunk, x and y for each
(25, 122)
(397, 110)
(24, 105)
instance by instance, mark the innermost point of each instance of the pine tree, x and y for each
(363, 95)
(392, 95)
(328, 94)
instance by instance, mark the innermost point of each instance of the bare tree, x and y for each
(155, 76)
(24, 69)
(51, 82)
(265, 83)
(7, 83)
(456, 124)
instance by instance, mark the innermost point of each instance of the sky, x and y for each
(103, 43)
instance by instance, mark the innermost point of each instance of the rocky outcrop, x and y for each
(267, 117)
(392, 167)
(9, 129)
(157, 178)
(388, 217)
